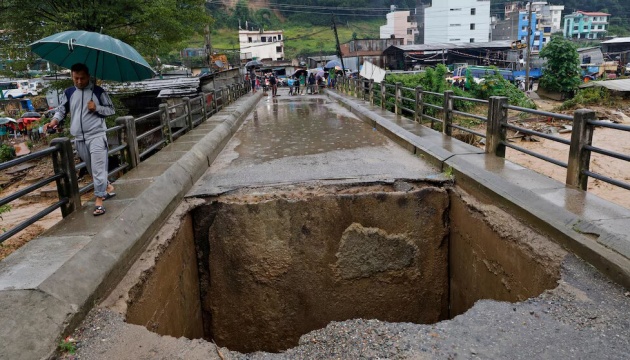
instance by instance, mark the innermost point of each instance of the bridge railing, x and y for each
(131, 148)
(440, 109)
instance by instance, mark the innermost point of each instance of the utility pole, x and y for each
(343, 68)
(529, 45)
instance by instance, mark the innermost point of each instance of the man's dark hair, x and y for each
(78, 67)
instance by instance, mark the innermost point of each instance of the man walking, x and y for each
(273, 82)
(89, 105)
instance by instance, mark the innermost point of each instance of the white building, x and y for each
(457, 21)
(400, 25)
(261, 45)
(549, 16)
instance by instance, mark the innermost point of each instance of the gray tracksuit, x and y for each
(86, 124)
(88, 128)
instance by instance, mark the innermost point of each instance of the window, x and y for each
(409, 32)
(275, 39)
(409, 42)
(456, 9)
(456, 24)
(454, 39)
(278, 49)
(472, 40)
(575, 28)
(279, 37)
(249, 39)
(472, 26)
(473, 11)
(263, 39)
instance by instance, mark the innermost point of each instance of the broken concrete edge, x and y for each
(34, 320)
(609, 255)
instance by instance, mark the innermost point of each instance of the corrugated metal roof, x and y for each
(619, 40)
(439, 46)
(614, 85)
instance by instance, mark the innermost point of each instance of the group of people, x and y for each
(298, 84)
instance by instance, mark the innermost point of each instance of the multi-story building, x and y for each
(261, 45)
(586, 25)
(456, 21)
(400, 24)
(546, 19)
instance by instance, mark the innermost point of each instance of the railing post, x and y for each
(68, 186)
(165, 119)
(579, 157)
(495, 131)
(398, 100)
(215, 105)
(131, 139)
(448, 112)
(419, 107)
(189, 121)
(371, 92)
(383, 92)
(202, 102)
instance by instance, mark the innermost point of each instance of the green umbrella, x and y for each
(106, 57)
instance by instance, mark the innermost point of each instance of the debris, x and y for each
(566, 129)
(21, 149)
(619, 117)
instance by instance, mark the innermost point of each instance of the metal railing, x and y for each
(131, 148)
(424, 106)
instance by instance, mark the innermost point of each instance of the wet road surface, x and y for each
(295, 139)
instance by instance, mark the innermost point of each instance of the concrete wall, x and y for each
(280, 268)
(166, 300)
(494, 256)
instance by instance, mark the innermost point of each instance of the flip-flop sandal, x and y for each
(109, 195)
(99, 210)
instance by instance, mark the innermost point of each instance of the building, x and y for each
(618, 49)
(456, 21)
(356, 52)
(586, 25)
(546, 19)
(400, 24)
(408, 57)
(261, 45)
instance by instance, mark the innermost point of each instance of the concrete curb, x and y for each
(592, 228)
(41, 301)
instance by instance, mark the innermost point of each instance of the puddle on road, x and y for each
(283, 128)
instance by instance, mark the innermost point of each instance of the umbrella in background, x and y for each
(333, 63)
(299, 72)
(7, 120)
(106, 57)
(254, 64)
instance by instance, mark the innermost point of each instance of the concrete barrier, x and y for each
(48, 286)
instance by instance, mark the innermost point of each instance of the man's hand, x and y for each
(91, 106)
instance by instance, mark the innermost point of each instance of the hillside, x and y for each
(300, 40)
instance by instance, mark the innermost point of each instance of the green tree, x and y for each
(562, 71)
(152, 27)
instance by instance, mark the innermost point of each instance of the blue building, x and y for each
(586, 25)
(523, 25)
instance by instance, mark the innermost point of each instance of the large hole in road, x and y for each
(256, 269)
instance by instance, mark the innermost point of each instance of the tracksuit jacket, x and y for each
(85, 125)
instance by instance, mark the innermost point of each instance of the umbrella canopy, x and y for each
(299, 72)
(7, 120)
(31, 114)
(333, 63)
(254, 63)
(106, 57)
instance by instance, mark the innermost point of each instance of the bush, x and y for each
(7, 152)
(496, 85)
(589, 96)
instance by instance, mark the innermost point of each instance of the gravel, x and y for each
(585, 317)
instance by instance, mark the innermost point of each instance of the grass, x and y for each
(299, 39)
